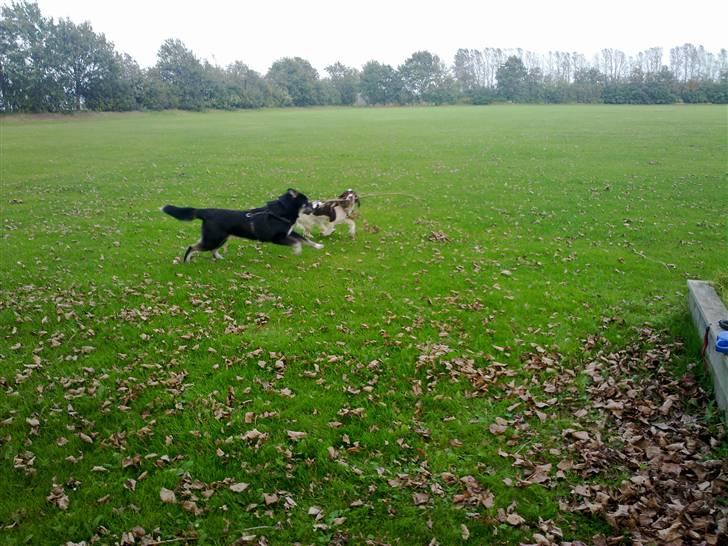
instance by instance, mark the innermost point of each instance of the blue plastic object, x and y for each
(721, 342)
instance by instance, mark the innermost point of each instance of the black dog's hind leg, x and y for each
(191, 250)
(211, 240)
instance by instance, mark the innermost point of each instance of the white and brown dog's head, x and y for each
(350, 199)
(327, 214)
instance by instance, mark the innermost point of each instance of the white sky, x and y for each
(258, 32)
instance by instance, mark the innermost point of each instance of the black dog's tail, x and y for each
(181, 213)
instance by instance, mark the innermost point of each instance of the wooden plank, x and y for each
(707, 309)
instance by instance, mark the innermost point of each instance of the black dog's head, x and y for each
(295, 198)
(290, 203)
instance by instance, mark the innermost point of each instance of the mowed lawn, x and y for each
(377, 390)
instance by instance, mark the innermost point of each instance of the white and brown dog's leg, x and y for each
(352, 226)
(328, 229)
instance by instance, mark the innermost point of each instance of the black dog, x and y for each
(272, 223)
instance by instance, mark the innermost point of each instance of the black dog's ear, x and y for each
(292, 192)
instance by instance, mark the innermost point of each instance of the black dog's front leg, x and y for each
(296, 241)
(305, 240)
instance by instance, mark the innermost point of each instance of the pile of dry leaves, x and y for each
(645, 428)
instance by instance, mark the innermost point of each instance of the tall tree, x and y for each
(178, 67)
(298, 79)
(380, 83)
(613, 64)
(249, 88)
(157, 94)
(85, 63)
(27, 78)
(650, 60)
(493, 58)
(464, 70)
(345, 81)
(588, 85)
(512, 79)
(127, 84)
(426, 79)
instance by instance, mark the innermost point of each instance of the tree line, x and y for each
(61, 66)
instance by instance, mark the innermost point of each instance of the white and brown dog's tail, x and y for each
(181, 213)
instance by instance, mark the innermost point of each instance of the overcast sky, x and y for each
(258, 32)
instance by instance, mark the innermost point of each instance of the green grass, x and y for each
(597, 212)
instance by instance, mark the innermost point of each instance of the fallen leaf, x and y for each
(167, 496)
(515, 519)
(420, 498)
(296, 436)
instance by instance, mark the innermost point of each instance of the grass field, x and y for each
(490, 235)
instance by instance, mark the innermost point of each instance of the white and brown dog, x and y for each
(327, 214)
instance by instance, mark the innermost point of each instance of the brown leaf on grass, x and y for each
(25, 461)
(239, 487)
(515, 519)
(671, 533)
(464, 532)
(167, 496)
(540, 474)
(497, 429)
(580, 434)
(438, 236)
(131, 461)
(420, 498)
(58, 497)
(191, 507)
(270, 499)
(475, 494)
(448, 477)
(296, 436)
(417, 387)
(252, 435)
(671, 468)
